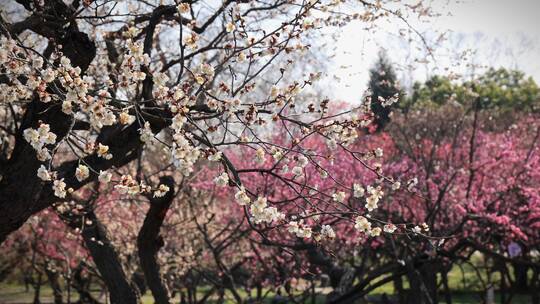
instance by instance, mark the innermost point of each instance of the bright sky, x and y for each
(498, 32)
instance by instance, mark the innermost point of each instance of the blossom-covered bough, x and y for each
(89, 87)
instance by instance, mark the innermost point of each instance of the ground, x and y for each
(463, 281)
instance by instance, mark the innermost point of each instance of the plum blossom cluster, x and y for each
(82, 172)
(362, 224)
(39, 138)
(16, 62)
(262, 213)
(375, 195)
(299, 229)
(338, 133)
(184, 154)
(389, 101)
(222, 179)
(130, 71)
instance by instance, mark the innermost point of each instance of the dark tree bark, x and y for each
(423, 283)
(80, 284)
(503, 287)
(341, 278)
(37, 289)
(55, 21)
(138, 279)
(398, 289)
(149, 241)
(521, 283)
(535, 286)
(447, 291)
(19, 173)
(52, 276)
(105, 257)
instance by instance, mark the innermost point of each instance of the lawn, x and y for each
(463, 281)
(16, 294)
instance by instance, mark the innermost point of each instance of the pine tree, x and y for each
(384, 90)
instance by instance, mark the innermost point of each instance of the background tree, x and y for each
(384, 89)
(508, 91)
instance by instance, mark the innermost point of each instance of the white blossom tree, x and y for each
(87, 88)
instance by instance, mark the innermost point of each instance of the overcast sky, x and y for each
(488, 32)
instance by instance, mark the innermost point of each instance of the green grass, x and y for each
(12, 293)
(464, 283)
(16, 293)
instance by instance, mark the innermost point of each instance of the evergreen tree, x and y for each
(384, 90)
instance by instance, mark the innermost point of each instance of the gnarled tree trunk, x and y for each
(52, 276)
(105, 257)
(149, 242)
(423, 283)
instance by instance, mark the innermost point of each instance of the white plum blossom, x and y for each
(362, 224)
(215, 156)
(272, 214)
(147, 136)
(178, 122)
(82, 172)
(59, 188)
(184, 154)
(104, 176)
(375, 194)
(375, 232)
(259, 156)
(125, 118)
(48, 75)
(103, 151)
(299, 229)
(304, 232)
(259, 203)
(241, 197)
(37, 62)
(297, 171)
(229, 27)
(207, 70)
(260, 212)
(161, 190)
(412, 184)
(44, 174)
(178, 94)
(302, 161)
(389, 228)
(339, 134)
(327, 232)
(389, 101)
(191, 41)
(339, 196)
(222, 179)
(128, 185)
(274, 91)
(183, 8)
(358, 190)
(39, 138)
(67, 107)
(241, 57)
